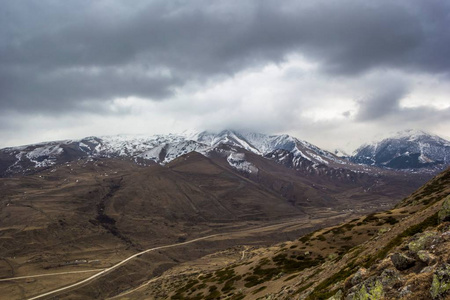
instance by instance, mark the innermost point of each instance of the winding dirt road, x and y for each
(116, 266)
(297, 222)
(50, 274)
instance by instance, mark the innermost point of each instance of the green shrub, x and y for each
(305, 238)
(259, 290)
(322, 292)
(321, 238)
(391, 220)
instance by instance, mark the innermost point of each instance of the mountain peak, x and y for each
(412, 134)
(163, 149)
(408, 149)
(405, 149)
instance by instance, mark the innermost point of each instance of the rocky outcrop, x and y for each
(359, 276)
(375, 287)
(418, 270)
(402, 262)
(337, 296)
(372, 288)
(426, 257)
(423, 241)
(440, 287)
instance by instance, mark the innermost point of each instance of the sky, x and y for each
(334, 73)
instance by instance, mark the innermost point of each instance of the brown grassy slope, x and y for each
(117, 204)
(320, 264)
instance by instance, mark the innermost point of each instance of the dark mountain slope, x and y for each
(321, 185)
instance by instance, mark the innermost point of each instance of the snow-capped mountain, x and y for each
(158, 148)
(284, 149)
(162, 149)
(406, 150)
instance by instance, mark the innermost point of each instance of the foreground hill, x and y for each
(402, 253)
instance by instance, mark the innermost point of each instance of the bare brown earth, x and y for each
(89, 214)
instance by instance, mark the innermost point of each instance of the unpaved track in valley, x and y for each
(118, 265)
(297, 222)
(50, 274)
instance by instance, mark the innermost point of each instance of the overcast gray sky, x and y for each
(335, 73)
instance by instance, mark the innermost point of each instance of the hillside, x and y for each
(402, 253)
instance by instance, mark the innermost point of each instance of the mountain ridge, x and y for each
(422, 150)
(409, 149)
(157, 148)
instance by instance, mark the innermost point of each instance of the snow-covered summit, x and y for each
(412, 149)
(404, 150)
(418, 135)
(265, 145)
(160, 149)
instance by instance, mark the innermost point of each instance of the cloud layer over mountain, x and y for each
(321, 70)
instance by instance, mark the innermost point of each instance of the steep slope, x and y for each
(402, 253)
(407, 150)
(274, 147)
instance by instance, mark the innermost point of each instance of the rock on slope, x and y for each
(407, 150)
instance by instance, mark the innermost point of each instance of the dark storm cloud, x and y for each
(385, 107)
(385, 102)
(423, 115)
(55, 55)
(29, 89)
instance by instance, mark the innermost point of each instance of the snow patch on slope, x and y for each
(44, 156)
(237, 161)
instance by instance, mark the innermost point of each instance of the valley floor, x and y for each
(72, 281)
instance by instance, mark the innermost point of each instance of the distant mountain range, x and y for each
(407, 150)
(410, 149)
